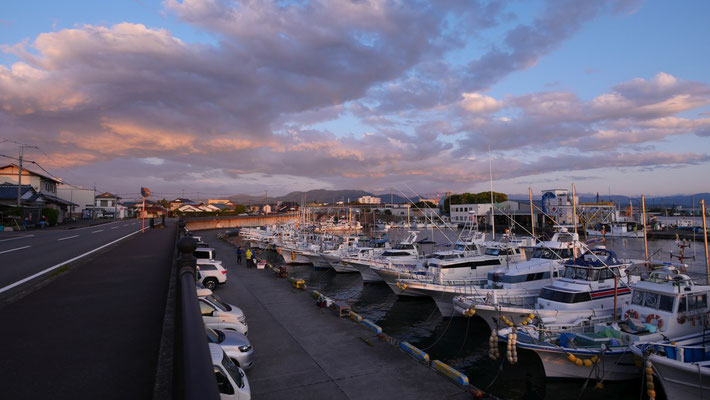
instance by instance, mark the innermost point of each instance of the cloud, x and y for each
(245, 111)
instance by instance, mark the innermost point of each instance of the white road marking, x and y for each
(68, 237)
(20, 282)
(15, 238)
(100, 230)
(19, 248)
(115, 227)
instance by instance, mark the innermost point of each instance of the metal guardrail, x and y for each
(194, 374)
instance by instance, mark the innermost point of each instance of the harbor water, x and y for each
(463, 342)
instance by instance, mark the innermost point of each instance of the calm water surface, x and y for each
(463, 342)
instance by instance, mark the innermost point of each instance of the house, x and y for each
(179, 202)
(152, 209)
(368, 200)
(44, 186)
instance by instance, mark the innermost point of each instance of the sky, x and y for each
(208, 98)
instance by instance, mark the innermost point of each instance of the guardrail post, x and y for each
(195, 376)
(181, 227)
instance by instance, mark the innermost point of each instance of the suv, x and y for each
(236, 345)
(211, 273)
(205, 253)
(232, 383)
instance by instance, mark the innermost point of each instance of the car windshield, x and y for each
(219, 303)
(232, 370)
(214, 336)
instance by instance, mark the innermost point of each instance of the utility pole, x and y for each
(19, 173)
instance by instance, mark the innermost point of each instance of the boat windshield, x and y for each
(653, 300)
(552, 254)
(581, 273)
(390, 253)
(535, 276)
(564, 297)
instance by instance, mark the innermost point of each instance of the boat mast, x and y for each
(705, 235)
(532, 218)
(574, 209)
(493, 219)
(645, 234)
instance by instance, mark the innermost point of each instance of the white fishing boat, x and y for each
(628, 229)
(682, 365)
(405, 252)
(467, 247)
(450, 275)
(591, 288)
(665, 305)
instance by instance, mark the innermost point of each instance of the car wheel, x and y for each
(209, 284)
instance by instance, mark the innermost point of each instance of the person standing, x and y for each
(249, 257)
(239, 255)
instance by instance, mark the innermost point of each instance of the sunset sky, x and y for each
(226, 97)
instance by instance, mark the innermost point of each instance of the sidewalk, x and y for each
(304, 352)
(95, 332)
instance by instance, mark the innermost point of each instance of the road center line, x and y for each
(20, 282)
(100, 230)
(68, 237)
(115, 227)
(15, 238)
(19, 248)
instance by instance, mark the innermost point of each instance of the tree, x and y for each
(425, 204)
(471, 198)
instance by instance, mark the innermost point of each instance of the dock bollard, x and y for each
(355, 316)
(450, 372)
(415, 352)
(369, 324)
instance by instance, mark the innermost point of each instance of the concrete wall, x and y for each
(81, 197)
(196, 224)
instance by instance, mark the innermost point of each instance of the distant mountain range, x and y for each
(333, 196)
(319, 196)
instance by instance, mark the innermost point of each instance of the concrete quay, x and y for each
(304, 352)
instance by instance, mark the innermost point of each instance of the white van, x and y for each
(232, 382)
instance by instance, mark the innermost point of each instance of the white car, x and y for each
(236, 345)
(222, 320)
(206, 295)
(207, 253)
(211, 273)
(232, 382)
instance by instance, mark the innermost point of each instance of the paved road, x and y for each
(95, 332)
(25, 254)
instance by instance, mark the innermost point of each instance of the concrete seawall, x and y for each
(200, 223)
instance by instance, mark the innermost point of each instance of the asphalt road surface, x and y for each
(95, 332)
(25, 256)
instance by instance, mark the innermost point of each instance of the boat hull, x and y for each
(390, 277)
(618, 365)
(368, 275)
(318, 261)
(681, 380)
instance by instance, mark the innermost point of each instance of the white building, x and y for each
(369, 200)
(460, 213)
(557, 204)
(83, 198)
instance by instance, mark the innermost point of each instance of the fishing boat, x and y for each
(682, 365)
(667, 304)
(592, 287)
(405, 252)
(624, 229)
(452, 274)
(468, 246)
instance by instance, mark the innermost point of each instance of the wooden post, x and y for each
(574, 209)
(532, 216)
(645, 232)
(616, 292)
(705, 235)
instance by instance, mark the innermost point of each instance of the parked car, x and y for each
(232, 382)
(205, 253)
(206, 295)
(235, 345)
(211, 273)
(215, 318)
